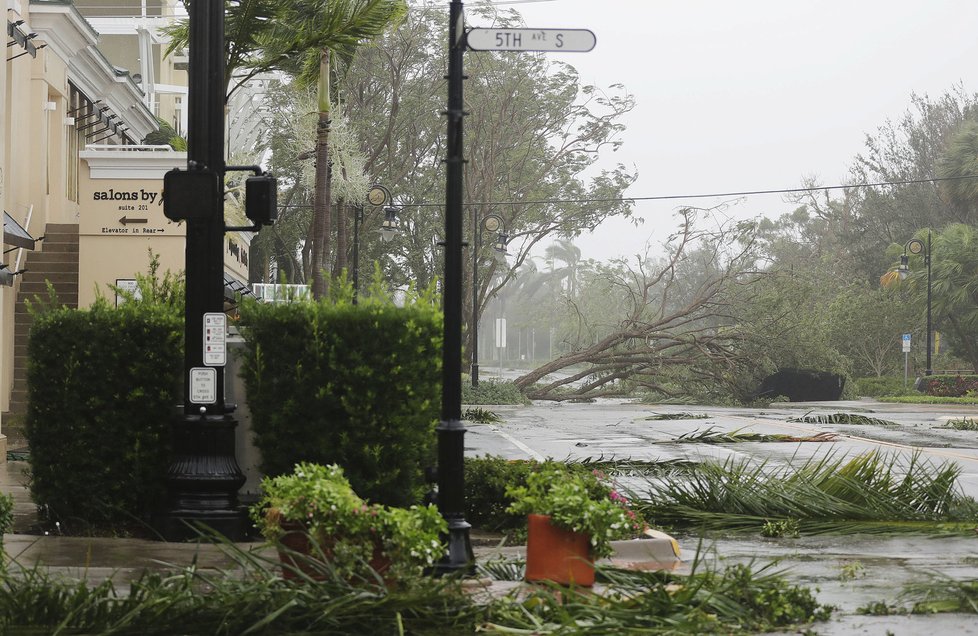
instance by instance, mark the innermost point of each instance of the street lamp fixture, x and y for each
(490, 223)
(390, 226)
(918, 248)
(377, 196)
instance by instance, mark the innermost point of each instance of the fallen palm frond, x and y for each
(870, 492)
(713, 435)
(941, 593)
(676, 416)
(961, 425)
(480, 415)
(633, 467)
(733, 599)
(251, 598)
(843, 418)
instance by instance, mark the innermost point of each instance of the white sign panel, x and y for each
(500, 333)
(128, 285)
(906, 343)
(215, 339)
(203, 385)
(557, 40)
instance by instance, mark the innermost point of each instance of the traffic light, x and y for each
(190, 194)
(261, 199)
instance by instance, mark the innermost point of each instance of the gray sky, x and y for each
(755, 94)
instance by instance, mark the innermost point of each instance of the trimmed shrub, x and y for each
(949, 385)
(102, 384)
(330, 382)
(885, 386)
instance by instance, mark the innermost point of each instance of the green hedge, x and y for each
(102, 384)
(884, 386)
(359, 386)
(949, 385)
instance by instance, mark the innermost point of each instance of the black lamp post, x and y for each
(450, 431)
(490, 223)
(917, 247)
(377, 196)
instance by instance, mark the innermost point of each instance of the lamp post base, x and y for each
(203, 480)
(460, 558)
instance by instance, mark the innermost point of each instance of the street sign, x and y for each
(906, 343)
(203, 385)
(557, 40)
(215, 339)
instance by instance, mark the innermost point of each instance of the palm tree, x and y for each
(565, 251)
(306, 36)
(300, 37)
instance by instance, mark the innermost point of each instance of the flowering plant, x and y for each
(579, 502)
(320, 501)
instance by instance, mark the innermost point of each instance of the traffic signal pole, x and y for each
(203, 478)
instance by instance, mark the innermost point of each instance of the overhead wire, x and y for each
(701, 195)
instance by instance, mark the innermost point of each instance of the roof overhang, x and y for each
(74, 40)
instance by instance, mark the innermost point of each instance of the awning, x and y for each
(234, 288)
(14, 234)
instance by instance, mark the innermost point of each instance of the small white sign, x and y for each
(906, 343)
(500, 333)
(203, 385)
(128, 285)
(215, 339)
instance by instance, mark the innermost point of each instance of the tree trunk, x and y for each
(321, 204)
(342, 227)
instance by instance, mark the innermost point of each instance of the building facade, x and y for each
(81, 87)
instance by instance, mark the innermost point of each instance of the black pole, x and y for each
(476, 242)
(203, 478)
(930, 369)
(451, 433)
(357, 220)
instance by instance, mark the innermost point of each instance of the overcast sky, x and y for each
(755, 94)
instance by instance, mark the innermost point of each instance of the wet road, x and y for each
(849, 571)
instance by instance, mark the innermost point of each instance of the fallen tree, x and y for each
(677, 327)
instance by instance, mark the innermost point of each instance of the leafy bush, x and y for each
(330, 382)
(949, 385)
(6, 515)
(101, 386)
(492, 392)
(486, 481)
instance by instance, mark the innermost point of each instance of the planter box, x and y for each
(656, 551)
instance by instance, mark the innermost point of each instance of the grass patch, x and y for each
(930, 399)
(253, 599)
(715, 436)
(843, 418)
(872, 492)
(676, 416)
(964, 424)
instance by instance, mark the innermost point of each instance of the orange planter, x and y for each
(558, 555)
(296, 540)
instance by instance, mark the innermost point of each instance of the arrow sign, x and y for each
(126, 220)
(557, 40)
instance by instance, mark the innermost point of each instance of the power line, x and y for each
(707, 195)
(743, 193)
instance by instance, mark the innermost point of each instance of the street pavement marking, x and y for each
(867, 440)
(520, 445)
